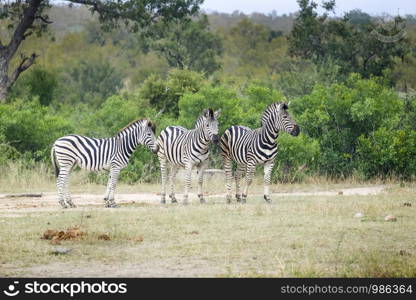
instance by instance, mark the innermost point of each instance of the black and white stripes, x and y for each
(97, 154)
(252, 147)
(180, 147)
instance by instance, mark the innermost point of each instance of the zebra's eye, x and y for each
(285, 116)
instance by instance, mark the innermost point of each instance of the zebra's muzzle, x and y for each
(295, 131)
(215, 139)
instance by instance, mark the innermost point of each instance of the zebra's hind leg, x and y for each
(249, 179)
(62, 183)
(201, 169)
(239, 172)
(172, 177)
(228, 176)
(112, 181)
(268, 167)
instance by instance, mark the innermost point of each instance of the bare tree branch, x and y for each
(25, 63)
(43, 19)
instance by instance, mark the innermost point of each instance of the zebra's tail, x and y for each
(53, 159)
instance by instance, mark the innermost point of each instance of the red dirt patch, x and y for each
(56, 236)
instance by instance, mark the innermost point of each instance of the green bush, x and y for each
(337, 115)
(32, 128)
(388, 153)
(297, 157)
(164, 95)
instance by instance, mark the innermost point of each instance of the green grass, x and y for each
(294, 237)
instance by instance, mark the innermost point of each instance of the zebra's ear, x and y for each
(284, 106)
(207, 113)
(152, 126)
(217, 113)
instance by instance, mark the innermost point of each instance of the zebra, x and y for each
(180, 147)
(99, 154)
(252, 147)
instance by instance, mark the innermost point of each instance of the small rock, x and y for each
(340, 193)
(408, 204)
(390, 218)
(88, 216)
(404, 253)
(359, 215)
(61, 251)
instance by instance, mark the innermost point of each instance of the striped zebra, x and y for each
(180, 147)
(253, 147)
(99, 154)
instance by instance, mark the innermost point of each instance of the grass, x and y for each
(314, 236)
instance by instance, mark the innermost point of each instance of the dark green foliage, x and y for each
(90, 82)
(38, 82)
(187, 44)
(355, 42)
(164, 94)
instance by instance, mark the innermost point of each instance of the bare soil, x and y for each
(48, 201)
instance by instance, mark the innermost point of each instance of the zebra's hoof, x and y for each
(174, 201)
(243, 199)
(163, 201)
(111, 205)
(238, 197)
(201, 199)
(267, 199)
(71, 204)
(63, 204)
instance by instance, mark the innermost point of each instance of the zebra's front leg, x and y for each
(172, 177)
(112, 182)
(107, 191)
(188, 172)
(228, 177)
(268, 167)
(163, 173)
(238, 174)
(249, 179)
(201, 170)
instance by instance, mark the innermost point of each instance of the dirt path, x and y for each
(48, 201)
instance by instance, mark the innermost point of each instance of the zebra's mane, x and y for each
(135, 122)
(270, 109)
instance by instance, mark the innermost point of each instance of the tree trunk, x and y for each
(4, 78)
(7, 52)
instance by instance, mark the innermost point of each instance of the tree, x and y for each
(28, 17)
(355, 42)
(187, 44)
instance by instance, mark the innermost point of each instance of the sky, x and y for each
(373, 7)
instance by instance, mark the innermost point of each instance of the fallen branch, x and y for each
(22, 195)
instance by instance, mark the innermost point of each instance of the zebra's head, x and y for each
(277, 116)
(209, 123)
(148, 137)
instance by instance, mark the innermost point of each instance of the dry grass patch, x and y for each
(315, 236)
